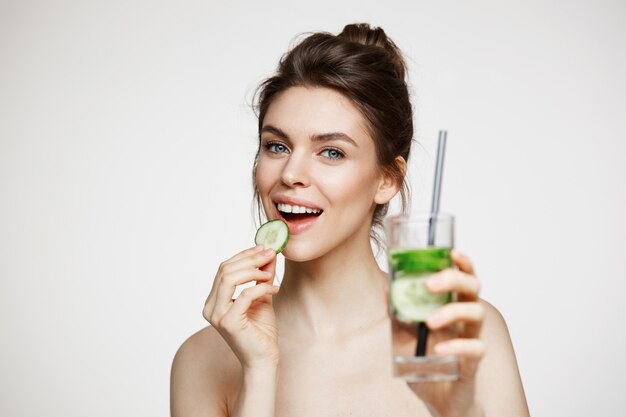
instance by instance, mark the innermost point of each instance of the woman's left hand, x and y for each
(465, 317)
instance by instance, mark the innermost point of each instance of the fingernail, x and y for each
(268, 252)
(443, 349)
(257, 248)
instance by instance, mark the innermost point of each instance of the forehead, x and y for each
(314, 110)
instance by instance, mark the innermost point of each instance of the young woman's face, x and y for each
(317, 170)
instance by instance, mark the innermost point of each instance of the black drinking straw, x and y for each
(422, 330)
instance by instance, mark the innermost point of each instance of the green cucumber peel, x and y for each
(273, 234)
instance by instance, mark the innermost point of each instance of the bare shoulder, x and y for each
(499, 385)
(494, 321)
(495, 334)
(205, 373)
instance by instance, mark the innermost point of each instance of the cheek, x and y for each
(354, 187)
(264, 180)
(264, 175)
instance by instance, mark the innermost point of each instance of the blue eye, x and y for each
(332, 153)
(276, 147)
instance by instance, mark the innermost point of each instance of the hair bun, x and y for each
(365, 34)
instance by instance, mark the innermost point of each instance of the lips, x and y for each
(299, 214)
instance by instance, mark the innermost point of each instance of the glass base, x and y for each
(426, 368)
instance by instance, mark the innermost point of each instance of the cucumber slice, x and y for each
(411, 299)
(273, 234)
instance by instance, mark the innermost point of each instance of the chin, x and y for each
(298, 253)
(295, 256)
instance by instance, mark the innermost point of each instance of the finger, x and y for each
(270, 267)
(248, 259)
(462, 261)
(253, 259)
(452, 280)
(233, 259)
(241, 305)
(462, 348)
(238, 276)
(468, 351)
(471, 314)
(226, 288)
(244, 253)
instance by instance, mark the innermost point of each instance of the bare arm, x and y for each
(499, 386)
(489, 383)
(196, 386)
(257, 396)
(206, 375)
(237, 356)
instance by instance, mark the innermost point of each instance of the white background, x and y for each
(126, 142)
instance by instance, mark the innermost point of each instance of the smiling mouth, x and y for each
(297, 215)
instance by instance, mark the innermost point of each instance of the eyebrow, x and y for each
(321, 137)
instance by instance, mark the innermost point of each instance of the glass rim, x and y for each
(418, 217)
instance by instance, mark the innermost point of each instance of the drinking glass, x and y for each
(418, 245)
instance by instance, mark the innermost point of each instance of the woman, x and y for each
(335, 131)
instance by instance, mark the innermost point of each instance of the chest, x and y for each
(344, 379)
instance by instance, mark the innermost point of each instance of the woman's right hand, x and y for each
(248, 323)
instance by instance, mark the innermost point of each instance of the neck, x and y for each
(337, 293)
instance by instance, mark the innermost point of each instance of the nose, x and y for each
(296, 171)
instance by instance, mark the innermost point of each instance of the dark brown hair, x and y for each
(363, 64)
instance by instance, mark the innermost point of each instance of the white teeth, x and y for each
(285, 208)
(288, 208)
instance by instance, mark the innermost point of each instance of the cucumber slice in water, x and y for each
(273, 234)
(412, 301)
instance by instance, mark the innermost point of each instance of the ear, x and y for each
(388, 185)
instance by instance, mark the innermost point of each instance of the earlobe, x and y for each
(389, 184)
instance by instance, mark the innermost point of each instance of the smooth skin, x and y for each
(320, 345)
